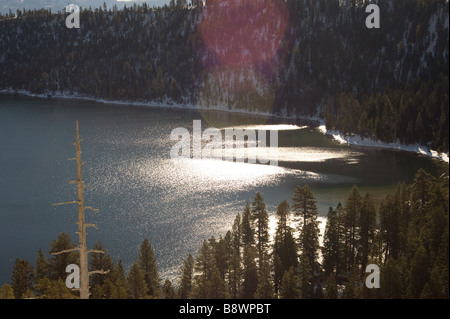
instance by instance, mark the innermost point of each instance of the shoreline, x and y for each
(353, 140)
(357, 140)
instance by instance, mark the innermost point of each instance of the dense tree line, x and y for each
(405, 234)
(288, 57)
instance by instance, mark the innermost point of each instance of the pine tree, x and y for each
(108, 289)
(261, 219)
(265, 288)
(137, 287)
(304, 205)
(235, 269)
(120, 281)
(352, 213)
(332, 250)
(147, 263)
(187, 273)
(59, 262)
(100, 261)
(246, 228)
(250, 273)
(390, 216)
(42, 266)
(367, 230)
(283, 214)
(222, 255)
(205, 266)
(22, 278)
(284, 248)
(305, 277)
(289, 285)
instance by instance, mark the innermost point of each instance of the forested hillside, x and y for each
(405, 235)
(292, 58)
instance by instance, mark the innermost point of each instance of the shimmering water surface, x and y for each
(142, 193)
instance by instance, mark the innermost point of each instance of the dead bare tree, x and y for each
(82, 225)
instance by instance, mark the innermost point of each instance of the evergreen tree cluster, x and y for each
(47, 279)
(405, 235)
(389, 84)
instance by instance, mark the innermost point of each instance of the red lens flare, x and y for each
(243, 32)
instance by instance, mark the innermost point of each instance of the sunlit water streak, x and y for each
(142, 193)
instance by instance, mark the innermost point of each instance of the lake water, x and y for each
(142, 193)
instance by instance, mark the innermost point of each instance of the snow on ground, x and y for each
(357, 140)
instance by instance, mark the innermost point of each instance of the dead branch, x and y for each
(64, 251)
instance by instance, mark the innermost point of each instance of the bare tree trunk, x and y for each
(84, 272)
(82, 247)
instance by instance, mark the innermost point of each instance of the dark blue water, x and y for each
(142, 193)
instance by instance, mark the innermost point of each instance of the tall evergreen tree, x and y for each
(42, 267)
(265, 289)
(367, 229)
(222, 255)
(332, 246)
(235, 269)
(22, 278)
(247, 228)
(305, 277)
(250, 273)
(284, 248)
(99, 261)
(147, 263)
(137, 287)
(187, 273)
(352, 213)
(260, 217)
(289, 285)
(58, 263)
(390, 216)
(205, 266)
(304, 205)
(120, 280)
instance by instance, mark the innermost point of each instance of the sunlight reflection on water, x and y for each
(141, 193)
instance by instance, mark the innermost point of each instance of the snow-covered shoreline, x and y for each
(354, 140)
(357, 140)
